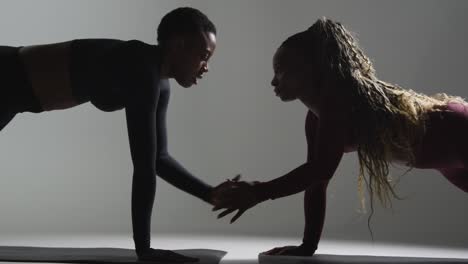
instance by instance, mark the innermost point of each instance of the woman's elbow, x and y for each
(161, 161)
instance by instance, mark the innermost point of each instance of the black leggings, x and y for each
(16, 94)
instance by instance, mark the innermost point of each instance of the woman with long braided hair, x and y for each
(350, 109)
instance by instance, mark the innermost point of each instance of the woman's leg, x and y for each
(457, 176)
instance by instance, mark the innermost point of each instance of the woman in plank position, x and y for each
(115, 74)
(350, 109)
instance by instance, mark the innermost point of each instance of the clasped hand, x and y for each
(233, 195)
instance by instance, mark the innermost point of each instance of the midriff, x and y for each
(48, 69)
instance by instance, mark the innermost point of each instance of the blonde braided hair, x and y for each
(388, 119)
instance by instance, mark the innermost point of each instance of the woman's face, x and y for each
(293, 77)
(191, 60)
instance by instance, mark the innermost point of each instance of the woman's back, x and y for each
(103, 71)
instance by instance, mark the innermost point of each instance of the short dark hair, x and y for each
(183, 20)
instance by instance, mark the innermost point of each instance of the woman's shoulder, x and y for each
(311, 120)
(141, 53)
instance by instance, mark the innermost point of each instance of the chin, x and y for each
(185, 84)
(287, 99)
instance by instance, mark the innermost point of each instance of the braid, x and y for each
(376, 106)
(388, 120)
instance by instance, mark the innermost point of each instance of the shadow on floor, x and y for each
(206, 256)
(343, 259)
(95, 255)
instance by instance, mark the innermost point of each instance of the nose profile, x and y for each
(274, 82)
(205, 68)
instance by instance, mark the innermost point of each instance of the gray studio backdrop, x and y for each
(70, 172)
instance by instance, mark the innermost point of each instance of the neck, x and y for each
(311, 104)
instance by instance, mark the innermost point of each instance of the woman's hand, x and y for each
(290, 251)
(235, 195)
(216, 196)
(160, 255)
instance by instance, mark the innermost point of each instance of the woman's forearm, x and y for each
(174, 173)
(143, 193)
(314, 212)
(293, 182)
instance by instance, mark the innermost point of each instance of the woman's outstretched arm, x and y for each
(166, 166)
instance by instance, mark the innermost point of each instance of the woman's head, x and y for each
(188, 40)
(326, 59)
(293, 71)
(324, 53)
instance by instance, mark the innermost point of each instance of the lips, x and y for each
(195, 79)
(276, 90)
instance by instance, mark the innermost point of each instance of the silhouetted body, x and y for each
(112, 75)
(444, 148)
(351, 110)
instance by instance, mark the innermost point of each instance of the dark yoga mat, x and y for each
(344, 259)
(95, 255)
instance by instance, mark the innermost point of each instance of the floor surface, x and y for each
(220, 249)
